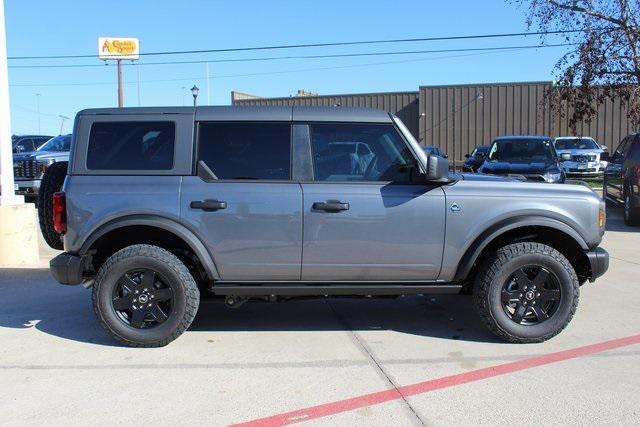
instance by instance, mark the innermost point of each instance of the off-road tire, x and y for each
(52, 182)
(186, 295)
(492, 275)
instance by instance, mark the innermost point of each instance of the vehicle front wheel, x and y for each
(526, 292)
(144, 296)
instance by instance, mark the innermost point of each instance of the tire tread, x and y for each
(491, 267)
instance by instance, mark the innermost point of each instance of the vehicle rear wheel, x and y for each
(631, 214)
(526, 292)
(52, 182)
(144, 296)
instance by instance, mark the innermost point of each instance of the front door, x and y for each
(363, 217)
(243, 204)
(613, 171)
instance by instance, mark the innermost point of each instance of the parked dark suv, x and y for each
(272, 203)
(533, 157)
(622, 178)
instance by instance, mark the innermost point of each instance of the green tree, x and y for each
(605, 62)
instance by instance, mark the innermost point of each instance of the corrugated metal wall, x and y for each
(402, 104)
(458, 118)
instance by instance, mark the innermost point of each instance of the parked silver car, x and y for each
(29, 167)
(585, 155)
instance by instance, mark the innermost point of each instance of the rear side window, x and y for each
(246, 150)
(131, 146)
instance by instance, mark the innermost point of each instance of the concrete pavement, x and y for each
(58, 367)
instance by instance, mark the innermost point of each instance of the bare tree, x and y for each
(605, 62)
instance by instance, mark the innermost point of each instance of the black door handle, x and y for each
(330, 206)
(208, 205)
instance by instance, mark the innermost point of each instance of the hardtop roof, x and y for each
(256, 113)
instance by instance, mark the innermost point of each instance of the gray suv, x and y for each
(160, 205)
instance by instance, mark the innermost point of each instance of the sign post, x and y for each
(119, 48)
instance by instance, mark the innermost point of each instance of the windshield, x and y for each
(576, 144)
(59, 143)
(479, 150)
(523, 150)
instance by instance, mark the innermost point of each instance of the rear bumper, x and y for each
(67, 268)
(26, 187)
(599, 262)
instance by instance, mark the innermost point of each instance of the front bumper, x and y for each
(67, 268)
(598, 261)
(582, 169)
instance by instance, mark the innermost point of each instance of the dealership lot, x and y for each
(262, 360)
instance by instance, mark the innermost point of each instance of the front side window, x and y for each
(360, 152)
(131, 146)
(246, 150)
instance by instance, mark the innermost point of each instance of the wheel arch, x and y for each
(123, 225)
(546, 230)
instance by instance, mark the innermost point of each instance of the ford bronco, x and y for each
(160, 205)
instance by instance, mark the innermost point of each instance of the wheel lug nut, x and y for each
(520, 295)
(538, 294)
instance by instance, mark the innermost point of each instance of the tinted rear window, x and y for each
(246, 150)
(131, 146)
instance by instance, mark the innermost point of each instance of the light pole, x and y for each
(63, 118)
(38, 109)
(194, 91)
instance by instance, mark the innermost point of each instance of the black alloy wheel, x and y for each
(143, 298)
(531, 295)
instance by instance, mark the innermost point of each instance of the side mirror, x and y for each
(604, 156)
(466, 156)
(445, 156)
(564, 157)
(604, 147)
(437, 168)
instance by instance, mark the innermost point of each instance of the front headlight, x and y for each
(551, 177)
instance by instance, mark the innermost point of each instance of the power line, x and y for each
(278, 58)
(216, 77)
(311, 45)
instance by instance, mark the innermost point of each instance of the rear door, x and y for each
(363, 217)
(244, 204)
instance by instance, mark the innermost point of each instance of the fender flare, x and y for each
(166, 224)
(495, 230)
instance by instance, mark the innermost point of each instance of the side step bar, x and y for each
(329, 289)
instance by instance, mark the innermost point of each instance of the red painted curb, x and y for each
(339, 406)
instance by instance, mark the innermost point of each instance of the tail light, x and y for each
(59, 213)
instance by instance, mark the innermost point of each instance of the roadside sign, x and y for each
(118, 48)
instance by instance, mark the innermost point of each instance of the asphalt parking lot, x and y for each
(410, 361)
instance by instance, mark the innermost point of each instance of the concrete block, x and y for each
(18, 236)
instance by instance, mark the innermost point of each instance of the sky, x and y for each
(69, 27)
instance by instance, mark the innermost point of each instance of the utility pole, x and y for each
(208, 86)
(120, 92)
